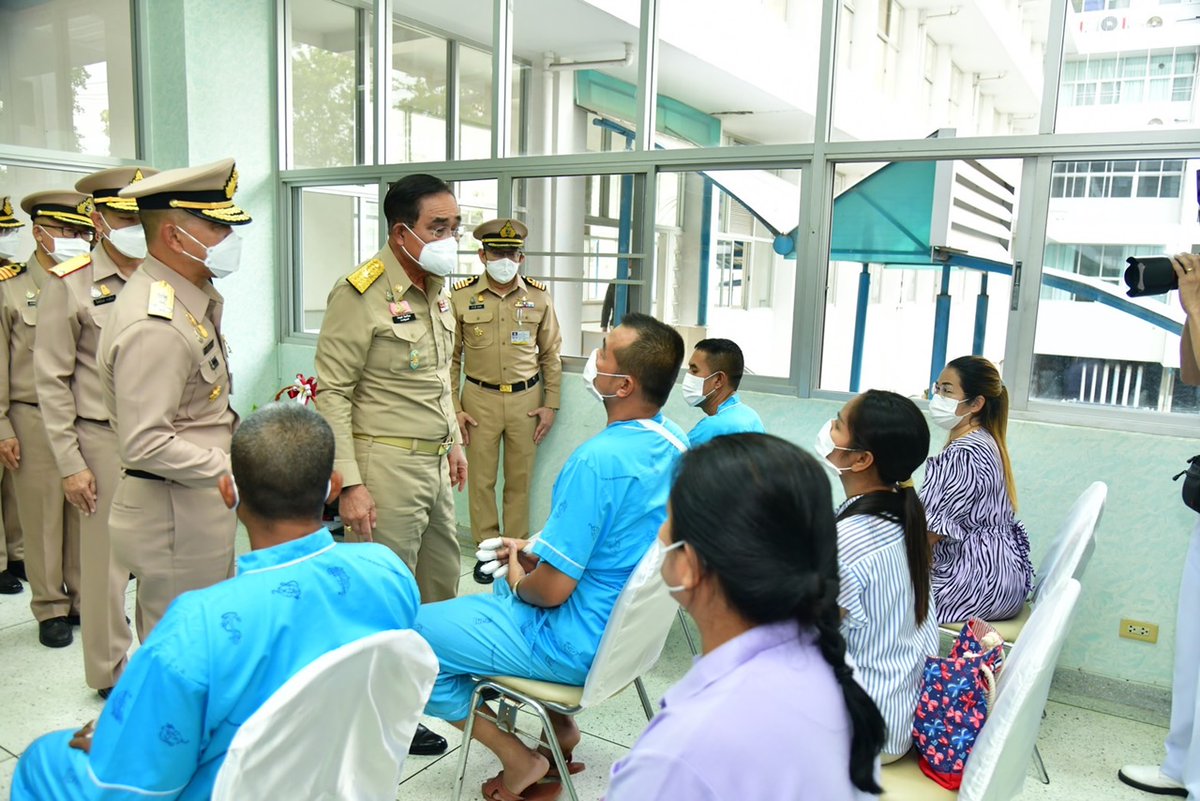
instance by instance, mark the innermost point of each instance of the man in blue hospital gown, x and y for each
(220, 652)
(545, 621)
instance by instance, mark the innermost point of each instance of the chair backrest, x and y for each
(343, 723)
(1076, 541)
(635, 634)
(1001, 757)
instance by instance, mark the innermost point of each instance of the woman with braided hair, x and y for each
(770, 709)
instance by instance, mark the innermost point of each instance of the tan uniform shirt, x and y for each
(165, 379)
(507, 338)
(1189, 366)
(383, 360)
(18, 326)
(64, 358)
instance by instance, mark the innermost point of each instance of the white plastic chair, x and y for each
(365, 697)
(632, 642)
(997, 766)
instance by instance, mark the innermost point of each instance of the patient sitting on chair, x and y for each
(545, 621)
(219, 653)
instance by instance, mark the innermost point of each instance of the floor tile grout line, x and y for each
(430, 765)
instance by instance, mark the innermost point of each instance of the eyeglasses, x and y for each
(445, 232)
(71, 233)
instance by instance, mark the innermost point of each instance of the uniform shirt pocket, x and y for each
(29, 314)
(479, 330)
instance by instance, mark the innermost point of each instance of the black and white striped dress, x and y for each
(981, 567)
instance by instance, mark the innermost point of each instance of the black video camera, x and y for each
(1150, 275)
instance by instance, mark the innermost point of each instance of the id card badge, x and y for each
(522, 337)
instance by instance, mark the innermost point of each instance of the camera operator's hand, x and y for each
(1187, 269)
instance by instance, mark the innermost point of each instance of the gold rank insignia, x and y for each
(11, 271)
(362, 278)
(466, 282)
(71, 265)
(104, 290)
(216, 393)
(478, 331)
(162, 301)
(533, 282)
(201, 331)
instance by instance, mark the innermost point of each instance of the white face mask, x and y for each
(130, 240)
(663, 550)
(590, 371)
(67, 248)
(502, 270)
(942, 410)
(10, 245)
(437, 258)
(693, 388)
(223, 258)
(824, 446)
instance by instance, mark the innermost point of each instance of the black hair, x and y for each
(653, 358)
(282, 458)
(724, 356)
(979, 378)
(770, 540)
(893, 429)
(402, 204)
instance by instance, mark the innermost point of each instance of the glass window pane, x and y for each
(417, 118)
(68, 82)
(582, 257)
(474, 103)
(992, 87)
(17, 182)
(330, 83)
(710, 93)
(882, 280)
(338, 228)
(1147, 186)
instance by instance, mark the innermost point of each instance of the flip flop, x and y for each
(494, 790)
(572, 767)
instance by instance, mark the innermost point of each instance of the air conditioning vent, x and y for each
(1154, 22)
(1110, 24)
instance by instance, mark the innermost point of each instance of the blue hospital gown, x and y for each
(732, 417)
(606, 508)
(213, 660)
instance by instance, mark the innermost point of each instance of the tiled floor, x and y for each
(44, 690)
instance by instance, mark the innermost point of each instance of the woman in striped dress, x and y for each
(981, 564)
(874, 445)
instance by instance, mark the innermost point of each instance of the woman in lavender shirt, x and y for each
(981, 564)
(771, 709)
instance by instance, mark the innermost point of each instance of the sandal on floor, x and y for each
(494, 790)
(572, 766)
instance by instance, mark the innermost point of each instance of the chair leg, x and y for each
(466, 742)
(688, 633)
(560, 761)
(647, 707)
(1043, 776)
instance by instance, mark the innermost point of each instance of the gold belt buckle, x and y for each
(506, 387)
(445, 447)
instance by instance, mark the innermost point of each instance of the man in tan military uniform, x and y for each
(12, 549)
(383, 374)
(509, 332)
(72, 404)
(166, 389)
(62, 228)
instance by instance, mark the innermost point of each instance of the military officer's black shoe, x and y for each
(104, 692)
(480, 576)
(427, 743)
(55, 632)
(9, 584)
(17, 568)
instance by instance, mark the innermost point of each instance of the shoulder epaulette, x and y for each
(71, 265)
(12, 271)
(162, 301)
(536, 284)
(362, 278)
(466, 282)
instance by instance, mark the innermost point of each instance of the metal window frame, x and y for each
(817, 160)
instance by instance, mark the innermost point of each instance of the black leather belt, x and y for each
(94, 422)
(520, 386)
(129, 471)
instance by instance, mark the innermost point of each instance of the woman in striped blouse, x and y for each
(981, 564)
(874, 444)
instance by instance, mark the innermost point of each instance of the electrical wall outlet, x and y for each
(1138, 630)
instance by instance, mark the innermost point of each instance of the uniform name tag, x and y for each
(522, 337)
(404, 318)
(100, 301)
(209, 346)
(475, 307)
